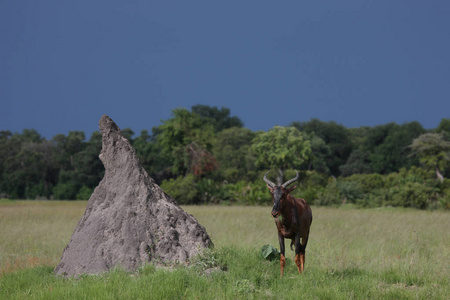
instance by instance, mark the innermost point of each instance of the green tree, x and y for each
(281, 148)
(335, 136)
(219, 119)
(357, 163)
(27, 168)
(444, 128)
(319, 153)
(31, 136)
(5, 153)
(143, 144)
(72, 164)
(87, 163)
(128, 134)
(67, 147)
(150, 153)
(433, 152)
(186, 141)
(232, 149)
(388, 146)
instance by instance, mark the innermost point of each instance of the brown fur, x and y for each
(293, 221)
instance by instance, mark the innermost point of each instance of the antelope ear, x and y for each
(292, 188)
(268, 186)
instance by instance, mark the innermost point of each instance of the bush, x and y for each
(408, 188)
(340, 192)
(250, 193)
(84, 193)
(231, 174)
(444, 201)
(210, 191)
(375, 198)
(182, 189)
(330, 196)
(367, 182)
(65, 191)
(35, 191)
(188, 190)
(411, 194)
(311, 186)
(310, 193)
(350, 191)
(414, 187)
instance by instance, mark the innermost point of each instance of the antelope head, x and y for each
(279, 193)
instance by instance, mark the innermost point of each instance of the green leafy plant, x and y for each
(269, 252)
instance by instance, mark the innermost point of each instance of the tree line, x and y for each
(205, 155)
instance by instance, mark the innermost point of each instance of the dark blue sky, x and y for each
(65, 63)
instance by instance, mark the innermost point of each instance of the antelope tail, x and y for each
(292, 243)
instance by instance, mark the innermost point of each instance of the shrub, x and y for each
(367, 182)
(232, 174)
(182, 189)
(407, 188)
(84, 193)
(210, 191)
(340, 192)
(312, 184)
(350, 191)
(310, 193)
(411, 194)
(330, 195)
(65, 191)
(444, 201)
(375, 198)
(35, 191)
(251, 193)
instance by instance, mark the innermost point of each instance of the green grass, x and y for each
(352, 253)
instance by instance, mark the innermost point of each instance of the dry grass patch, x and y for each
(34, 233)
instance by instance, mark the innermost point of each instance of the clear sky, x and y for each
(63, 64)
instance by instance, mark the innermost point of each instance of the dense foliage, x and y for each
(205, 155)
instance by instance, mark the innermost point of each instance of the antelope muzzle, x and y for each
(275, 213)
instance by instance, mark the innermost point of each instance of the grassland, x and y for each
(352, 254)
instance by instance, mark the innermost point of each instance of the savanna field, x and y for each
(352, 253)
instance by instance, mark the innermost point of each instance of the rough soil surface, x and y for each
(129, 220)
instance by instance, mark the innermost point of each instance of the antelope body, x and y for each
(293, 220)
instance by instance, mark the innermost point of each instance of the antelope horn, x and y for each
(285, 185)
(270, 183)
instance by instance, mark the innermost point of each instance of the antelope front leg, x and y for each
(297, 254)
(282, 257)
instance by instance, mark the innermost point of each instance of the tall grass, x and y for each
(412, 242)
(34, 233)
(352, 253)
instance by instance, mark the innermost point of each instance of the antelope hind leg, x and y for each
(298, 262)
(302, 261)
(282, 264)
(299, 250)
